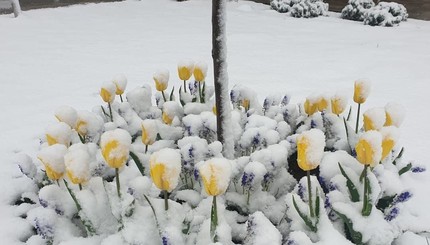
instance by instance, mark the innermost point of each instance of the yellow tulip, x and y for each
(60, 133)
(160, 86)
(51, 139)
(200, 70)
(53, 175)
(185, 71)
(323, 104)
(107, 92)
(337, 105)
(52, 157)
(166, 119)
(369, 148)
(389, 139)
(246, 103)
(215, 174)
(149, 132)
(368, 123)
(310, 148)
(67, 115)
(394, 114)
(115, 146)
(165, 167)
(77, 161)
(388, 119)
(361, 91)
(81, 127)
(310, 107)
(373, 119)
(161, 79)
(120, 82)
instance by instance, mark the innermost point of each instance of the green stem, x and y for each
(120, 96)
(214, 220)
(164, 96)
(82, 138)
(358, 118)
(110, 112)
(308, 173)
(200, 92)
(249, 194)
(365, 192)
(166, 200)
(146, 149)
(80, 187)
(185, 86)
(118, 185)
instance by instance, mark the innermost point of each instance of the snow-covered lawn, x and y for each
(53, 57)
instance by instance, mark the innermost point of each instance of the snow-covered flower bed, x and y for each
(134, 172)
(300, 8)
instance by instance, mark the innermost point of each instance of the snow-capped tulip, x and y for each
(52, 158)
(245, 104)
(310, 149)
(67, 115)
(310, 107)
(166, 118)
(361, 91)
(395, 113)
(120, 82)
(323, 103)
(171, 109)
(88, 123)
(107, 92)
(338, 104)
(149, 131)
(369, 148)
(165, 167)
(185, 70)
(161, 79)
(115, 146)
(390, 136)
(215, 174)
(374, 119)
(58, 133)
(200, 70)
(77, 161)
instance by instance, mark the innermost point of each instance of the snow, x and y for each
(67, 114)
(337, 51)
(58, 133)
(395, 114)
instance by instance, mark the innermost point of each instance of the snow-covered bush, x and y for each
(386, 14)
(134, 172)
(300, 8)
(356, 9)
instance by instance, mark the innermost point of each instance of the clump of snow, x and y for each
(261, 231)
(77, 161)
(253, 174)
(374, 118)
(165, 167)
(356, 9)
(59, 133)
(67, 114)
(386, 14)
(26, 165)
(120, 82)
(140, 99)
(300, 8)
(89, 124)
(216, 173)
(395, 114)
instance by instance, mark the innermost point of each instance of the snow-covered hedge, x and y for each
(300, 8)
(134, 172)
(386, 14)
(356, 9)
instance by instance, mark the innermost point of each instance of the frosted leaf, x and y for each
(395, 114)
(67, 115)
(59, 133)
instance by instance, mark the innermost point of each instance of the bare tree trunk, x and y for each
(219, 56)
(16, 8)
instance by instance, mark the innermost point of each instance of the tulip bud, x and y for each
(361, 91)
(107, 92)
(88, 123)
(311, 105)
(395, 114)
(323, 103)
(165, 167)
(59, 133)
(338, 104)
(200, 70)
(77, 161)
(161, 79)
(120, 82)
(171, 109)
(215, 174)
(185, 70)
(245, 103)
(149, 131)
(52, 158)
(115, 146)
(374, 119)
(369, 148)
(310, 149)
(67, 115)
(390, 136)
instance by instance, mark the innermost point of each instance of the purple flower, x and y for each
(403, 197)
(45, 231)
(394, 212)
(196, 174)
(301, 191)
(418, 169)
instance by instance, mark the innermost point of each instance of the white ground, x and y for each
(53, 57)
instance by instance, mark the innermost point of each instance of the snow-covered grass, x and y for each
(53, 57)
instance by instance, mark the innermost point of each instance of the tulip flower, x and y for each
(185, 71)
(361, 92)
(338, 104)
(323, 104)
(165, 167)
(395, 114)
(374, 119)
(310, 149)
(161, 79)
(166, 118)
(246, 103)
(215, 174)
(369, 152)
(107, 92)
(171, 109)
(200, 70)
(115, 147)
(149, 132)
(390, 136)
(120, 82)
(77, 161)
(52, 158)
(310, 106)
(67, 115)
(59, 133)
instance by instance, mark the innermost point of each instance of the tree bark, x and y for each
(16, 8)
(219, 53)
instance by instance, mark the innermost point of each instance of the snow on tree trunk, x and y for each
(16, 8)
(219, 55)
